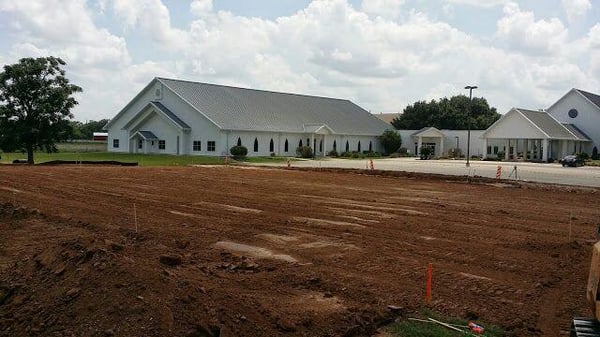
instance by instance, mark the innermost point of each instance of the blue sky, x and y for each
(381, 54)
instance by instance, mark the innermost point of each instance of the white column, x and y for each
(324, 145)
(441, 146)
(545, 150)
(419, 144)
(485, 145)
(526, 149)
(539, 148)
(506, 148)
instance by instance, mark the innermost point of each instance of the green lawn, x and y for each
(141, 159)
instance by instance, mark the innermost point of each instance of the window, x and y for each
(211, 146)
(271, 146)
(286, 147)
(495, 149)
(307, 141)
(489, 150)
(573, 113)
(239, 143)
(358, 146)
(255, 144)
(321, 146)
(347, 146)
(140, 143)
(370, 146)
(162, 144)
(300, 143)
(197, 145)
(334, 146)
(115, 143)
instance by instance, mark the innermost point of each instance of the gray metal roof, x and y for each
(147, 135)
(170, 114)
(233, 108)
(577, 132)
(592, 97)
(547, 124)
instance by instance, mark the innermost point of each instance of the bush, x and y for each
(426, 153)
(390, 140)
(500, 155)
(238, 152)
(595, 155)
(333, 153)
(346, 154)
(583, 156)
(304, 152)
(355, 154)
(272, 154)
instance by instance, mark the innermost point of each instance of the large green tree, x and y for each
(35, 105)
(448, 113)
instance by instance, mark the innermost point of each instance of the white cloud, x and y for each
(153, 17)
(479, 3)
(66, 30)
(329, 48)
(526, 34)
(576, 9)
(201, 7)
(383, 8)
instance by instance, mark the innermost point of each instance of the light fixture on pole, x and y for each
(470, 87)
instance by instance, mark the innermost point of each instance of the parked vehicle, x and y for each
(571, 160)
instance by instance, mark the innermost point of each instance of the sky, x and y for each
(381, 54)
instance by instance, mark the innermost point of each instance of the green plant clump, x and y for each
(304, 152)
(238, 151)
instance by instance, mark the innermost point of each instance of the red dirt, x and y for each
(224, 251)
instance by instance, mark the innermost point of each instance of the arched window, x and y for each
(300, 143)
(286, 148)
(321, 146)
(271, 146)
(334, 146)
(359, 146)
(347, 146)
(239, 143)
(255, 144)
(307, 141)
(370, 146)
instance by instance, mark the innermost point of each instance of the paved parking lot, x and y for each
(537, 172)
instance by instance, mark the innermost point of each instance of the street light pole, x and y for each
(470, 87)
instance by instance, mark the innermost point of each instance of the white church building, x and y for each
(569, 126)
(190, 118)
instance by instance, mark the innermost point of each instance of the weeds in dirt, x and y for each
(414, 328)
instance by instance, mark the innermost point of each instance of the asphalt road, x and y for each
(535, 172)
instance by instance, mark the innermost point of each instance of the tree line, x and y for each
(85, 130)
(448, 113)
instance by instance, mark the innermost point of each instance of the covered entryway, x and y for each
(429, 137)
(144, 142)
(320, 134)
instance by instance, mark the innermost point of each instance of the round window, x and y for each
(573, 113)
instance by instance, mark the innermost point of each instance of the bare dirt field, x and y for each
(224, 251)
